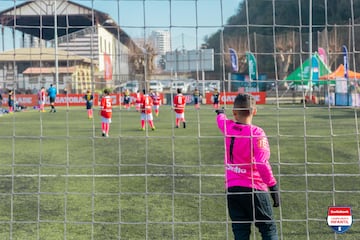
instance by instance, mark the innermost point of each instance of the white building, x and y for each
(160, 40)
(80, 31)
(98, 43)
(92, 58)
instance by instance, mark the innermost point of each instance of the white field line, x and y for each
(110, 175)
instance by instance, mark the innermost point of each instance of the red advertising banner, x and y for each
(229, 97)
(31, 100)
(107, 67)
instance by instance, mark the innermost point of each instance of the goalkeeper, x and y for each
(248, 171)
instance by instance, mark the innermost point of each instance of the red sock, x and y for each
(151, 123)
(142, 123)
(107, 128)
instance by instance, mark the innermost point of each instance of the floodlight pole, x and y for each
(310, 48)
(202, 72)
(56, 48)
(145, 70)
(3, 49)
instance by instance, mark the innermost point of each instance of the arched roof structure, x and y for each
(36, 18)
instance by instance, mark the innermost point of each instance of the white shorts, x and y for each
(146, 117)
(105, 120)
(180, 115)
(155, 107)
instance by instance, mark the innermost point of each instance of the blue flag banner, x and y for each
(346, 64)
(234, 60)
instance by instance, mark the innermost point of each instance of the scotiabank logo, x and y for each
(339, 219)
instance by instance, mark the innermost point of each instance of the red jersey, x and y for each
(156, 99)
(146, 104)
(179, 103)
(42, 95)
(106, 107)
(139, 98)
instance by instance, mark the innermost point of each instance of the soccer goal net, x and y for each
(66, 172)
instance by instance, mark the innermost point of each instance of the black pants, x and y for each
(245, 203)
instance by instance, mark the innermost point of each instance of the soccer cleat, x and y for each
(103, 134)
(153, 128)
(184, 124)
(142, 129)
(106, 135)
(176, 126)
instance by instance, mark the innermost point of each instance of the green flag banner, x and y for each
(252, 65)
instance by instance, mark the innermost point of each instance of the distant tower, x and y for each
(160, 40)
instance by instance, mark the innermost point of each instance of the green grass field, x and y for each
(59, 179)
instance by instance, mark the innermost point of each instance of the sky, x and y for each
(189, 21)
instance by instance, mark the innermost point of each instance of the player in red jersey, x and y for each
(146, 111)
(138, 101)
(42, 99)
(156, 102)
(106, 113)
(179, 108)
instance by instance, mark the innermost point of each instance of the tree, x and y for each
(142, 57)
(240, 45)
(285, 45)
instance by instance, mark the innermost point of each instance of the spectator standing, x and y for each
(106, 113)
(179, 108)
(196, 95)
(11, 101)
(89, 98)
(1, 98)
(215, 98)
(127, 99)
(248, 172)
(52, 97)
